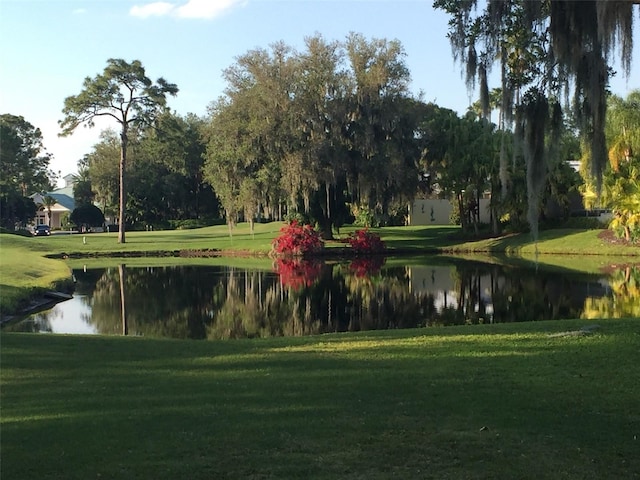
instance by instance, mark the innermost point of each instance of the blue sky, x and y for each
(47, 48)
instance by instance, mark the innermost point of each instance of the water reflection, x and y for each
(625, 300)
(303, 298)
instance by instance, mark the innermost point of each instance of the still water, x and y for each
(306, 297)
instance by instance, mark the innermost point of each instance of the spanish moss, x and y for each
(535, 114)
(550, 47)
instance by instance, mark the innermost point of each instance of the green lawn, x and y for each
(526, 401)
(551, 242)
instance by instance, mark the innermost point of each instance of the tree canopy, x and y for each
(164, 174)
(24, 162)
(621, 176)
(24, 168)
(544, 49)
(313, 131)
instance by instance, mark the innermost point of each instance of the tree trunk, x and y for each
(328, 192)
(476, 213)
(462, 212)
(494, 221)
(124, 140)
(326, 230)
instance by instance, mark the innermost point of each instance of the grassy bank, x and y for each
(527, 401)
(24, 270)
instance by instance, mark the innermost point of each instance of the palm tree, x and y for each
(622, 193)
(48, 201)
(623, 128)
(621, 189)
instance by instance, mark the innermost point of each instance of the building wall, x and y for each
(430, 212)
(438, 212)
(57, 211)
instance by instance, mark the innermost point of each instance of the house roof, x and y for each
(62, 196)
(64, 200)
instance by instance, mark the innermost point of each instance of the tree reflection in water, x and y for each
(311, 298)
(625, 301)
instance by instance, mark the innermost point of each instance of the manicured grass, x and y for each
(502, 401)
(557, 241)
(217, 237)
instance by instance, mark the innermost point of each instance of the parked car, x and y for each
(42, 230)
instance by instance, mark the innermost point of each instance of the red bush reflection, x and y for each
(366, 266)
(297, 273)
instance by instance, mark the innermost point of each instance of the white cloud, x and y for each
(156, 9)
(206, 9)
(203, 9)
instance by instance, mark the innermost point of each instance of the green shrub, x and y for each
(87, 214)
(297, 217)
(589, 223)
(191, 223)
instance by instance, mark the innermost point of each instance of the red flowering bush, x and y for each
(363, 241)
(297, 240)
(297, 273)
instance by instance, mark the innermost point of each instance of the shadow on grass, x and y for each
(472, 406)
(425, 239)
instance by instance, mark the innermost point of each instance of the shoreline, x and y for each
(37, 303)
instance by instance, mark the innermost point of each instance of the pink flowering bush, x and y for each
(297, 240)
(363, 241)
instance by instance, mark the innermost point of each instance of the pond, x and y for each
(312, 297)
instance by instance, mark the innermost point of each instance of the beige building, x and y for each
(438, 212)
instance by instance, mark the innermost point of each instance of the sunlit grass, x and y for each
(23, 272)
(216, 237)
(503, 401)
(550, 242)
